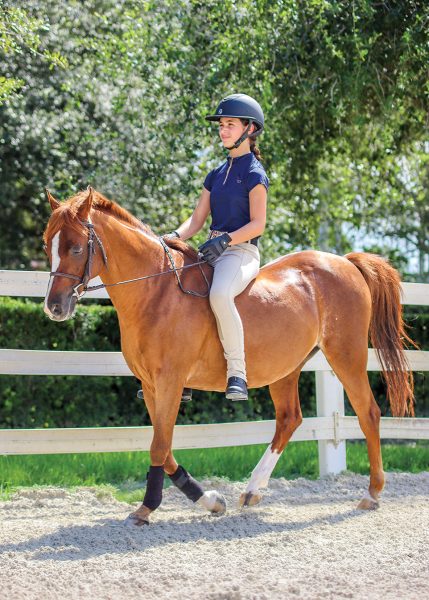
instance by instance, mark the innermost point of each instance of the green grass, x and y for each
(124, 472)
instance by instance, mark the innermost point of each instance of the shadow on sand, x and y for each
(110, 536)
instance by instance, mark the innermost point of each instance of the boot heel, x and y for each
(236, 389)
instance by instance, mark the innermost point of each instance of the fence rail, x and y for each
(33, 284)
(330, 428)
(53, 362)
(127, 439)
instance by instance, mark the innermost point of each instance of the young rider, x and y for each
(235, 194)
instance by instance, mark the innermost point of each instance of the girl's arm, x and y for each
(196, 221)
(258, 216)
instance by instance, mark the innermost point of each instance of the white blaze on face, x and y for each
(262, 472)
(55, 264)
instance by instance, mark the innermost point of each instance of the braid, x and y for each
(254, 148)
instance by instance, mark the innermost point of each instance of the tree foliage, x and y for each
(343, 85)
(20, 33)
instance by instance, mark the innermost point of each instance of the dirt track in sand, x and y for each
(306, 540)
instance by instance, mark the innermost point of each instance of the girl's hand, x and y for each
(212, 249)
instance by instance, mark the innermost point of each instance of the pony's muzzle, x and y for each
(60, 308)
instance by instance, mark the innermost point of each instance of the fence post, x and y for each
(330, 402)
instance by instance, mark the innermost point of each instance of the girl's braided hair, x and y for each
(253, 147)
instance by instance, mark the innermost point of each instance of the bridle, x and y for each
(83, 281)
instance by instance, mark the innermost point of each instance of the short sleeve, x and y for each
(256, 177)
(208, 181)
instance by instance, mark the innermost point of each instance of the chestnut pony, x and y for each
(297, 304)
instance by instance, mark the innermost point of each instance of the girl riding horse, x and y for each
(235, 194)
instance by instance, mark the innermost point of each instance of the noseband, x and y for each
(83, 281)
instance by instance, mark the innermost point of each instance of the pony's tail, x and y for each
(387, 329)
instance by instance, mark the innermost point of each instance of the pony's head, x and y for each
(70, 243)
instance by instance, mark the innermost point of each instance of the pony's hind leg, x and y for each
(349, 364)
(284, 394)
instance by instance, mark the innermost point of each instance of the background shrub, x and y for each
(72, 401)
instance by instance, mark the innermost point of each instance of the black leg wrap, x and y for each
(187, 484)
(155, 480)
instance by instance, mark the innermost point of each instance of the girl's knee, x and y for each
(218, 298)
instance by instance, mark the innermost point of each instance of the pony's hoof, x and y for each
(368, 503)
(134, 521)
(213, 501)
(139, 517)
(249, 499)
(220, 505)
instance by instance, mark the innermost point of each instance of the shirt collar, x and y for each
(236, 158)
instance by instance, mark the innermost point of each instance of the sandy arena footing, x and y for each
(305, 540)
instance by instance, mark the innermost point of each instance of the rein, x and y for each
(174, 270)
(83, 281)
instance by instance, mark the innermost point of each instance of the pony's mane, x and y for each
(67, 214)
(68, 211)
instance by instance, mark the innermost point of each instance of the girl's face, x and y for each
(230, 129)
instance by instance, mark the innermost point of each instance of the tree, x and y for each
(406, 216)
(19, 33)
(340, 86)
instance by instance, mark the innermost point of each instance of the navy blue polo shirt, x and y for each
(229, 186)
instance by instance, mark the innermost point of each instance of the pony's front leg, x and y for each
(163, 415)
(163, 406)
(212, 500)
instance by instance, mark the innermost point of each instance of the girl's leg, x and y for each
(233, 271)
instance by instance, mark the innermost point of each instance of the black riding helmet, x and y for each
(240, 106)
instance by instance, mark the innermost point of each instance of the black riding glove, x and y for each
(213, 248)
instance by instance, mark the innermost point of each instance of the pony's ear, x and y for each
(86, 205)
(54, 203)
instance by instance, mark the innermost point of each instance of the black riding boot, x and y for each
(236, 389)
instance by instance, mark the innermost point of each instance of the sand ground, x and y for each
(305, 540)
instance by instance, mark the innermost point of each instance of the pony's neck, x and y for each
(131, 252)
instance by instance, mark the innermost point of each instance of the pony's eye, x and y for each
(76, 250)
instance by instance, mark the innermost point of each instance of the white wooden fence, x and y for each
(330, 428)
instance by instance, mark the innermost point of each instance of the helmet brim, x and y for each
(219, 117)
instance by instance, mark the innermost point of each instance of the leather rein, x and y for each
(83, 281)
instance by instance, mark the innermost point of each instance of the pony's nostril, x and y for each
(56, 309)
